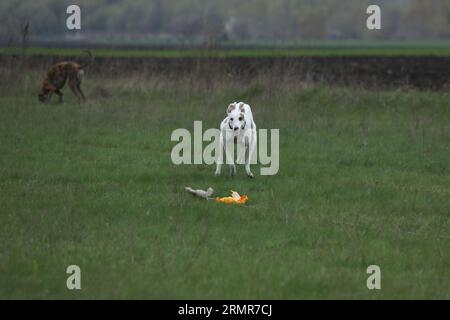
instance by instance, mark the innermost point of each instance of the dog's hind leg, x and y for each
(79, 79)
(73, 87)
(241, 152)
(81, 92)
(229, 155)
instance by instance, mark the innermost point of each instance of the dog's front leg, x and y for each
(50, 95)
(60, 95)
(219, 160)
(251, 148)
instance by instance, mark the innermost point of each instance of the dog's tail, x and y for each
(91, 59)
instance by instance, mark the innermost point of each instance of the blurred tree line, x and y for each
(229, 20)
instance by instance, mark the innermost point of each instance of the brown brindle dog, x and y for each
(59, 74)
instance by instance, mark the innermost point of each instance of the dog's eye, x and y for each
(231, 119)
(240, 118)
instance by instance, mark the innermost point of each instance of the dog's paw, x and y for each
(248, 171)
(217, 173)
(232, 170)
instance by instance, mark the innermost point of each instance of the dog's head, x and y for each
(236, 116)
(43, 94)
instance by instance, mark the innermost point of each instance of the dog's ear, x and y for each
(231, 107)
(241, 107)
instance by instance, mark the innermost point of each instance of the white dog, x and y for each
(238, 127)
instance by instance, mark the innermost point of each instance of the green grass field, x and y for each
(313, 48)
(364, 179)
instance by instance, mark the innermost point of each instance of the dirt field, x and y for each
(420, 72)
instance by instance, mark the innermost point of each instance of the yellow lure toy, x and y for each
(234, 199)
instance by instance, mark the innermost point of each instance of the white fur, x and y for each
(237, 125)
